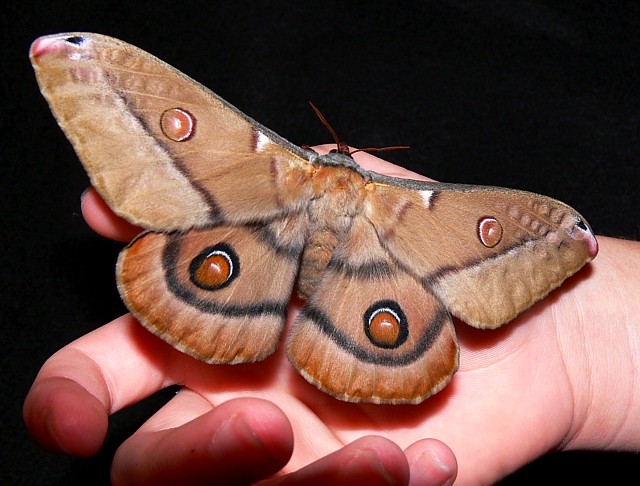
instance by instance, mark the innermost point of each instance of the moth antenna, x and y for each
(370, 150)
(342, 147)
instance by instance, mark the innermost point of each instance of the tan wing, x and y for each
(487, 253)
(164, 151)
(371, 331)
(218, 294)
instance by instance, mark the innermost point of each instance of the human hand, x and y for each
(514, 398)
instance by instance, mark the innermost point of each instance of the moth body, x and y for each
(336, 199)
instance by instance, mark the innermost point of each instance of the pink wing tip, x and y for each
(583, 232)
(592, 244)
(44, 45)
(54, 43)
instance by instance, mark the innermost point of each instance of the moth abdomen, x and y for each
(316, 256)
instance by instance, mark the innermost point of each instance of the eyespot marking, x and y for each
(215, 267)
(489, 231)
(177, 124)
(581, 224)
(76, 40)
(386, 325)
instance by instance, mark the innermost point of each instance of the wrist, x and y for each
(602, 350)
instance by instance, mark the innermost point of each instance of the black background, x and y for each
(537, 95)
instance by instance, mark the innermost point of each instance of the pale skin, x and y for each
(562, 376)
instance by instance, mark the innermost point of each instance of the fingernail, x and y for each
(443, 470)
(431, 469)
(235, 433)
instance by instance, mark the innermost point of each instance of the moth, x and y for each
(236, 218)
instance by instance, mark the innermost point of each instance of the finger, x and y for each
(431, 462)
(64, 417)
(367, 461)
(103, 220)
(239, 442)
(76, 390)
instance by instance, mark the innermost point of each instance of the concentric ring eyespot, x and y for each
(385, 324)
(489, 231)
(177, 124)
(215, 267)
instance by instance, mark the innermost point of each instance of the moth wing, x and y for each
(219, 294)
(164, 151)
(371, 331)
(487, 253)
